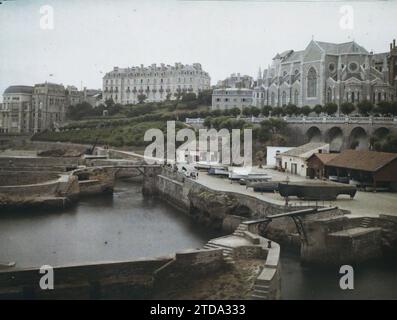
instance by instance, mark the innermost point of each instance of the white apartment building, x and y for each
(156, 82)
(230, 98)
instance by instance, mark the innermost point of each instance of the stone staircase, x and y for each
(261, 291)
(366, 222)
(227, 251)
(240, 230)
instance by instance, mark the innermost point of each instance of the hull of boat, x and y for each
(315, 191)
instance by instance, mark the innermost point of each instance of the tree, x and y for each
(272, 130)
(260, 156)
(247, 112)
(278, 111)
(141, 98)
(266, 110)
(109, 102)
(347, 108)
(205, 97)
(365, 107)
(331, 108)
(318, 109)
(384, 108)
(305, 110)
(255, 111)
(235, 111)
(291, 109)
(188, 97)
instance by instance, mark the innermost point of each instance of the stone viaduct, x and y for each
(341, 132)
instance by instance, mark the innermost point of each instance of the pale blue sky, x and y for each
(91, 37)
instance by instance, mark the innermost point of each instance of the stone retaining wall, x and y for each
(110, 280)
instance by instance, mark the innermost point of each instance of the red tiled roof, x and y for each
(325, 157)
(363, 160)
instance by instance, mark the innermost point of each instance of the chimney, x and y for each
(394, 43)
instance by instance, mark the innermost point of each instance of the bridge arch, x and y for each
(334, 136)
(313, 134)
(358, 139)
(381, 132)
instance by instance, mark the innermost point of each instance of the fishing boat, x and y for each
(7, 265)
(247, 174)
(218, 172)
(249, 180)
(268, 186)
(315, 190)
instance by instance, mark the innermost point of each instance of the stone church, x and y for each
(326, 72)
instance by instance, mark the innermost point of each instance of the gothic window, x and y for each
(329, 95)
(284, 99)
(353, 67)
(353, 97)
(272, 101)
(296, 96)
(312, 83)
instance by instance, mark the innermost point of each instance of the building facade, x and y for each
(236, 81)
(16, 111)
(156, 82)
(91, 96)
(49, 105)
(325, 72)
(230, 98)
(29, 109)
(294, 160)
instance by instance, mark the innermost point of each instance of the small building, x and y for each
(366, 168)
(197, 153)
(316, 164)
(294, 160)
(230, 98)
(272, 153)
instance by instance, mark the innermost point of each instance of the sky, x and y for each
(90, 37)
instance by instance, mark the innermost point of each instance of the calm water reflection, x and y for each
(125, 226)
(375, 280)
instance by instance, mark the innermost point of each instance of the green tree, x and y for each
(278, 111)
(188, 97)
(260, 156)
(205, 97)
(109, 102)
(266, 110)
(235, 111)
(365, 107)
(331, 108)
(384, 108)
(255, 111)
(291, 109)
(247, 111)
(305, 110)
(347, 108)
(141, 98)
(318, 109)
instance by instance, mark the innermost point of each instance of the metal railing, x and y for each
(319, 120)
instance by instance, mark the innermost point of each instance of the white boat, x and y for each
(218, 172)
(7, 265)
(246, 174)
(205, 165)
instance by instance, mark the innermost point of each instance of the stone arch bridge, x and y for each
(341, 132)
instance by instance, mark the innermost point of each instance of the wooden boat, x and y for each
(243, 173)
(7, 265)
(315, 190)
(250, 181)
(218, 172)
(269, 186)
